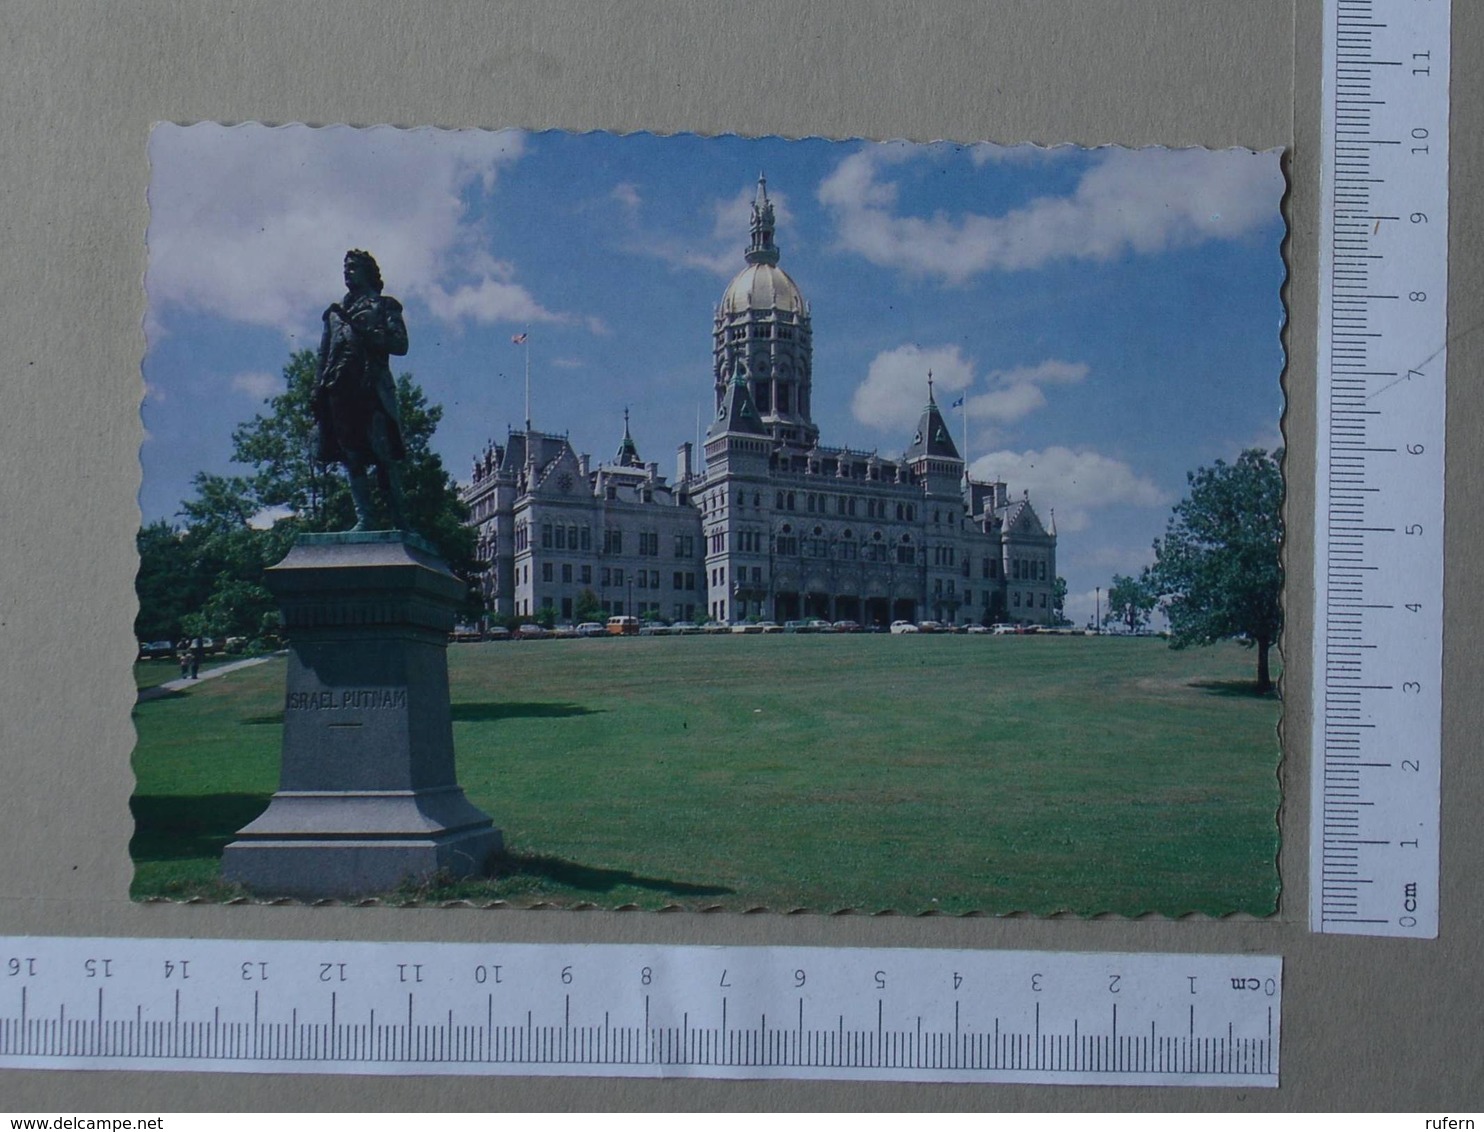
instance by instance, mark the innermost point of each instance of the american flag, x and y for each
(518, 339)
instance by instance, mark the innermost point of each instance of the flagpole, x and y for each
(963, 409)
(525, 340)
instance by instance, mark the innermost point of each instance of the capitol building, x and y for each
(764, 521)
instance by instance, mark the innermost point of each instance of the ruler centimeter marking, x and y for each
(254, 1006)
(1378, 581)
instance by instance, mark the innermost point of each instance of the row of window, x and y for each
(759, 330)
(582, 574)
(1028, 569)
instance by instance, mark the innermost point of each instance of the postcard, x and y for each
(710, 522)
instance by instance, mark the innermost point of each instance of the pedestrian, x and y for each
(198, 650)
(183, 654)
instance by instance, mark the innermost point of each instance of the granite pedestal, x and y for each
(368, 796)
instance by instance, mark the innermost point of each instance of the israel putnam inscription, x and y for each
(347, 699)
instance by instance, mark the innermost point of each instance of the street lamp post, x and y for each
(1097, 616)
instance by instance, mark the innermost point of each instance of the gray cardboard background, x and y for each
(1368, 1024)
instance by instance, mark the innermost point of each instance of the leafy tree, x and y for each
(168, 587)
(1059, 601)
(1131, 601)
(1218, 565)
(588, 607)
(546, 615)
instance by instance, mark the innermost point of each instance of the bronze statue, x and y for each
(355, 398)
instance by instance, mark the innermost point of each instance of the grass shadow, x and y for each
(588, 878)
(157, 692)
(491, 712)
(1240, 689)
(485, 712)
(173, 827)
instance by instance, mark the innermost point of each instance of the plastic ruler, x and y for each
(255, 1006)
(1378, 579)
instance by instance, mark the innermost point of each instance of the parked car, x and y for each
(718, 627)
(654, 629)
(531, 632)
(591, 629)
(769, 627)
(819, 625)
(846, 627)
(747, 626)
(1002, 629)
(622, 626)
(497, 633)
(685, 628)
(156, 650)
(797, 627)
(929, 627)
(976, 629)
(904, 627)
(566, 631)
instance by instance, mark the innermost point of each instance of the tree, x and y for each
(238, 526)
(1059, 601)
(168, 587)
(1131, 601)
(1218, 566)
(588, 607)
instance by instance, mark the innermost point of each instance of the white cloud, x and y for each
(1139, 201)
(251, 222)
(1016, 392)
(1073, 483)
(895, 389)
(1009, 404)
(627, 194)
(1053, 371)
(258, 385)
(489, 300)
(265, 518)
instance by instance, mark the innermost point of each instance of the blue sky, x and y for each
(1111, 317)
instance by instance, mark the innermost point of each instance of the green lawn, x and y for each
(952, 773)
(152, 673)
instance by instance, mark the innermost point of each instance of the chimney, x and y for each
(682, 463)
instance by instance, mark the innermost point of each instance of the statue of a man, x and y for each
(355, 398)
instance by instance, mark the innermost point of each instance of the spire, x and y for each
(932, 437)
(737, 412)
(628, 451)
(762, 249)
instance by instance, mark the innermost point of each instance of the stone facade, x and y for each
(768, 523)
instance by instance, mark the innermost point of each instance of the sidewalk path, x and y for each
(159, 691)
